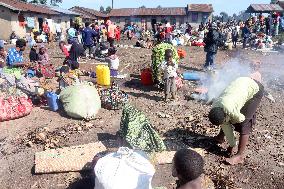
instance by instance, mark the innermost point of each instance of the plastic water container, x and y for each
(103, 75)
(146, 77)
(191, 76)
(52, 101)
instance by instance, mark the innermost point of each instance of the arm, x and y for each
(229, 133)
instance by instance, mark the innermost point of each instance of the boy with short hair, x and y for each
(170, 73)
(188, 168)
(235, 110)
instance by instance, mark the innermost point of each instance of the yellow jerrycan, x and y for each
(103, 75)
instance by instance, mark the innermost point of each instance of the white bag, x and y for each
(124, 169)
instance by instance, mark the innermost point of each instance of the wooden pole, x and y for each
(112, 4)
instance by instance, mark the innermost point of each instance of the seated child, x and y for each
(149, 44)
(3, 55)
(113, 61)
(33, 53)
(170, 73)
(43, 57)
(188, 168)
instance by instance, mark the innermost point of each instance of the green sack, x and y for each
(158, 56)
(17, 72)
(136, 129)
(81, 101)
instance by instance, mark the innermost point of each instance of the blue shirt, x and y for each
(88, 35)
(71, 33)
(14, 56)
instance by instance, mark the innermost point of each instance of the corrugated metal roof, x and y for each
(172, 11)
(264, 8)
(27, 7)
(9, 6)
(90, 13)
(200, 8)
(63, 11)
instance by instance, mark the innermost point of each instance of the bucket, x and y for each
(146, 77)
(191, 76)
(52, 101)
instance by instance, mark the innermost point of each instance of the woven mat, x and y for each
(67, 159)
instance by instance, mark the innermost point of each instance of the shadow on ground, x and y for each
(86, 181)
(178, 138)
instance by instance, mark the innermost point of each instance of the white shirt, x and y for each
(169, 71)
(58, 28)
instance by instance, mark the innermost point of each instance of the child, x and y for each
(3, 55)
(43, 57)
(170, 73)
(235, 36)
(33, 54)
(113, 61)
(188, 168)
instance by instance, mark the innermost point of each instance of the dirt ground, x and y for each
(263, 167)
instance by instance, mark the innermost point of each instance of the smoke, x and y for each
(216, 81)
(271, 70)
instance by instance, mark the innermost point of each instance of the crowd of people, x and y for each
(231, 108)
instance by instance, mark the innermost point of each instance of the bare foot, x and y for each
(237, 159)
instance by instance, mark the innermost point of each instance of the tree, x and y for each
(55, 2)
(142, 7)
(224, 16)
(159, 7)
(34, 1)
(43, 2)
(102, 9)
(24, 1)
(108, 9)
(273, 1)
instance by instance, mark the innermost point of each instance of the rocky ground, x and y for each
(182, 124)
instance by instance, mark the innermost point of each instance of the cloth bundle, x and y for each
(14, 107)
(113, 98)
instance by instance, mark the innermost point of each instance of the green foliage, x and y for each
(108, 9)
(143, 7)
(273, 1)
(158, 56)
(102, 9)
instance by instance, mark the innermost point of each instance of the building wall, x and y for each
(194, 20)
(5, 23)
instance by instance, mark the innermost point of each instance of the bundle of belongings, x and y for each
(14, 95)
(133, 170)
(158, 57)
(113, 98)
(138, 132)
(81, 101)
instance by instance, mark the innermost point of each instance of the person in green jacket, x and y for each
(235, 110)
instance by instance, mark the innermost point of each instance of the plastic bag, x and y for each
(125, 169)
(81, 101)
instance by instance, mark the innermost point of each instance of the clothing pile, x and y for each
(137, 130)
(113, 98)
